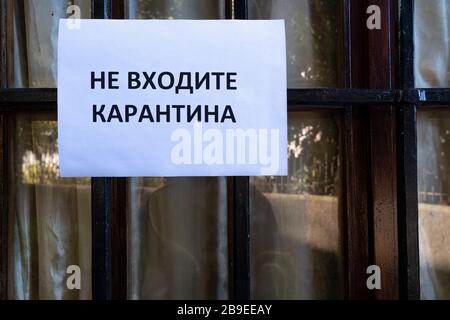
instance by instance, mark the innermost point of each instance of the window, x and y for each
(49, 218)
(295, 221)
(177, 235)
(432, 69)
(368, 179)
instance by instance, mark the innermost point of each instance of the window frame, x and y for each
(379, 167)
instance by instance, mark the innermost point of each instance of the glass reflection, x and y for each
(178, 238)
(433, 147)
(311, 35)
(178, 226)
(431, 43)
(296, 230)
(175, 9)
(35, 40)
(49, 217)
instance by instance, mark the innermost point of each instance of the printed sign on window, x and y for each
(172, 98)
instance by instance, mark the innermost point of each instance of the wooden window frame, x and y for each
(378, 103)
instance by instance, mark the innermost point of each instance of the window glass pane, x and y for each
(432, 43)
(296, 228)
(35, 40)
(296, 247)
(177, 239)
(311, 35)
(175, 9)
(49, 217)
(433, 146)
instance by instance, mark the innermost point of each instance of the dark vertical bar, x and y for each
(241, 9)
(344, 27)
(408, 236)
(381, 74)
(356, 164)
(101, 210)
(119, 239)
(109, 225)
(119, 211)
(4, 211)
(101, 239)
(102, 9)
(3, 42)
(229, 9)
(4, 7)
(239, 217)
(373, 66)
(118, 9)
(240, 259)
(406, 63)
(229, 14)
(357, 208)
(408, 222)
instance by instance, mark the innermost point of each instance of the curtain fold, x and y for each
(36, 40)
(178, 238)
(49, 218)
(432, 43)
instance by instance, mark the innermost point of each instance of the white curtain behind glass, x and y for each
(311, 35)
(178, 238)
(49, 218)
(178, 245)
(432, 43)
(35, 40)
(432, 69)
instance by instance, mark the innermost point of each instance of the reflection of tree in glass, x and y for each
(175, 9)
(42, 170)
(433, 133)
(313, 157)
(311, 35)
(38, 151)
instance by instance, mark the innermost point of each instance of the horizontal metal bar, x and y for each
(342, 97)
(29, 99)
(323, 97)
(434, 96)
(28, 95)
(38, 99)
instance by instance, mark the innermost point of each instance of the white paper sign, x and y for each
(172, 98)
